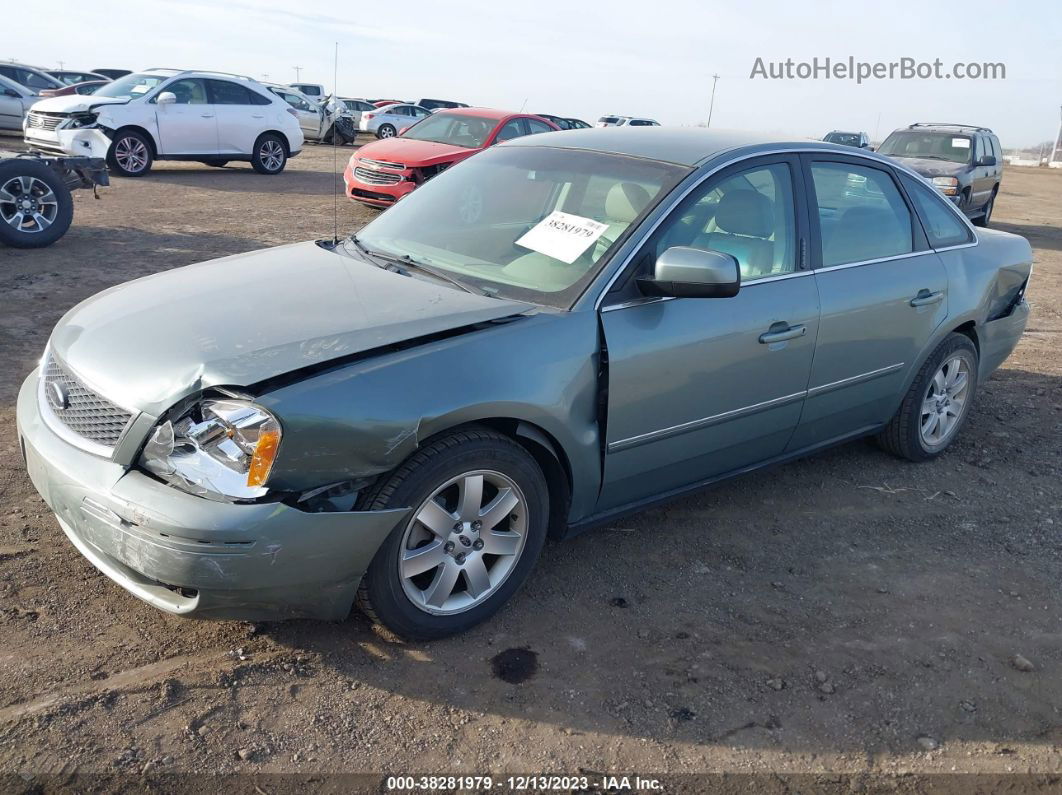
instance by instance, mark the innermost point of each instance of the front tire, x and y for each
(35, 205)
(987, 216)
(937, 404)
(386, 131)
(130, 154)
(480, 511)
(270, 154)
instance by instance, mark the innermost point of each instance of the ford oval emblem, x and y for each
(60, 400)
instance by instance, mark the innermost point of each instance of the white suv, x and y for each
(169, 114)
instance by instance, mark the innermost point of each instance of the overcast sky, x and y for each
(588, 58)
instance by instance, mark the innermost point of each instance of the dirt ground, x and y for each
(849, 619)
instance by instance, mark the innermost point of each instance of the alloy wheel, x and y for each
(945, 401)
(463, 542)
(28, 204)
(272, 155)
(131, 154)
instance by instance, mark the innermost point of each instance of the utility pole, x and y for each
(265, 77)
(1056, 150)
(61, 66)
(711, 106)
(298, 70)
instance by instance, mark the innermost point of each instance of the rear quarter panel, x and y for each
(983, 282)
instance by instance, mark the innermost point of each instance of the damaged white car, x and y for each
(169, 114)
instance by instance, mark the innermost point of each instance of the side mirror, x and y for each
(683, 272)
(166, 98)
(987, 160)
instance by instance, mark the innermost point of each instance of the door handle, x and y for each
(926, 298)
(207, 115)
(257, 116)
(782, 334)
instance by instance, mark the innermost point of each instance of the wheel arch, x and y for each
(283, 139)
(548, 453)
(144, 132)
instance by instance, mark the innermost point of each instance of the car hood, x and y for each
(242, 319)
(928, 167)
(75, 103)
(413, 153)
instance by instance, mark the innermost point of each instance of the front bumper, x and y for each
(82, 142)
(195, 557)
(376, 195)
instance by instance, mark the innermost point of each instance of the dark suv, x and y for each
(860, 140)
(963, 161)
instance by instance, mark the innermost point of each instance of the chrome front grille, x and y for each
(84, 412)
(43, 121)
(381, 164)
(370, 177)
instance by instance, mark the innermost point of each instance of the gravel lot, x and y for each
(849, 616)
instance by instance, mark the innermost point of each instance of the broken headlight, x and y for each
(81, 120)
(219, 449)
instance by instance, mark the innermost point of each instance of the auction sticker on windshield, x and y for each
(563, 236)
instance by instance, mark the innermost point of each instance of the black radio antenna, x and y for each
(335, 155)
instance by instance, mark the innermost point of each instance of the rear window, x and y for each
(608, 119)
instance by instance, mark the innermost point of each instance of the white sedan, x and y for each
(390, 120)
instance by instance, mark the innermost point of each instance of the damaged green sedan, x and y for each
(559, 330)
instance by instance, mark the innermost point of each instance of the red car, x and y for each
(384, 171)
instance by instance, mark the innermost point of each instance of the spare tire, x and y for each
(35, 205)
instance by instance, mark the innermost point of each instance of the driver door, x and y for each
(188, 126)
(700, 387)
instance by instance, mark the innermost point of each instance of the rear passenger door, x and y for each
(241, 115)
(883, 292)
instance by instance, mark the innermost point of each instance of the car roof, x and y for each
(686, 146)
(483, 113)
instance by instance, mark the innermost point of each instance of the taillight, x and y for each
(367, 115)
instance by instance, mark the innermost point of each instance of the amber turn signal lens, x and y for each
(264, 453)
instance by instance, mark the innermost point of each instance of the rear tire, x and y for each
(270, 154)
(35, 205)
(386, 131)
(469, 571)
(130, 154)
(937, 404)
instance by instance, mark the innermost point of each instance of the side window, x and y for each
(942, 227)
(749, 215)
(420, 113)
(510, 130)
(223, 92)
(190, 91)
(997, 151)
(861, 214)
(538, 127)
(33, 80)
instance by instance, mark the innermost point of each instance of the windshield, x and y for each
(458, 129)
(531, 223)
(130, 86)
(932, 145)
(848, 139)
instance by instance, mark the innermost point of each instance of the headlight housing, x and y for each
(949, 186)
(82, 120)
(219, 449)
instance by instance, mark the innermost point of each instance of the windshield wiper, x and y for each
(405, 259)
(378, 258)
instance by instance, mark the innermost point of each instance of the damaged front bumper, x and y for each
(193, 557)
(75, 142)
